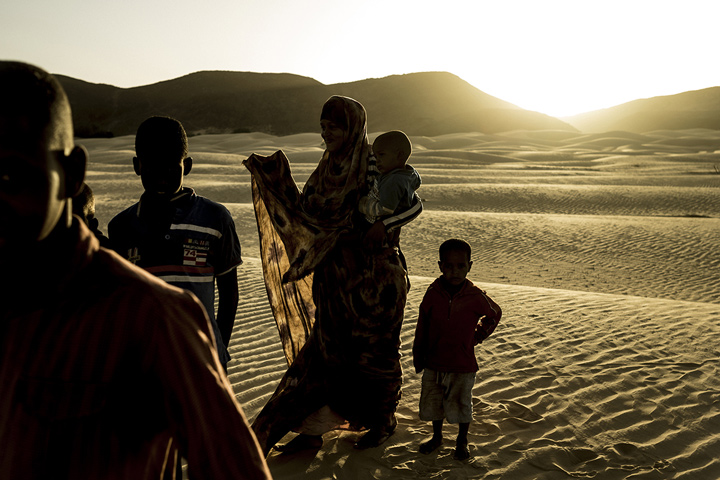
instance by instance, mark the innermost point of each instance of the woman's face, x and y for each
(333, 135)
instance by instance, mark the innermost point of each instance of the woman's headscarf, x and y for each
(297, 230)
(331, 193)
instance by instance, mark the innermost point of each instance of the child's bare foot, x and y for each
(461, 451)
(431, 445)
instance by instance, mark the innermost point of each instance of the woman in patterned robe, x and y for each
(338, 305)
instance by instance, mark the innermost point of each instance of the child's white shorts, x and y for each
(446, 396)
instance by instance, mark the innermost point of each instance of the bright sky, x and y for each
(556, 57)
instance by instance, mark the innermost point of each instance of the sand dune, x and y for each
(593, 385)
(604, 253)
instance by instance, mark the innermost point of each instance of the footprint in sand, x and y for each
(519, 415)
(575, 462)
(627, 456)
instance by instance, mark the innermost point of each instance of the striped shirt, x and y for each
(107, 371)
(186, 242)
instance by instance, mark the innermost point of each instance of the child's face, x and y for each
(333, 135)
(32, 184)
(388, 158)
(162, 176)
(455, 266)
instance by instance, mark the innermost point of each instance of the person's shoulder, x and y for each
(471, 289)
(435, 288)
(399, 173)
(404, 177)
(210, 206)
(410, 169)
(126, 215)
(406, 170)
(121, 278)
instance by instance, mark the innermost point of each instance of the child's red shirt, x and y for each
(449, 327)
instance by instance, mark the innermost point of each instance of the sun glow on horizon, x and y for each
(558, 57)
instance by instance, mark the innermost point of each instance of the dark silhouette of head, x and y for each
(40, 166)
(161, 160)
(83, 205)
(455, 245)
(392, 150)
(342, 121)
(455, 261)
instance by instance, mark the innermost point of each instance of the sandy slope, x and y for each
(604, 253)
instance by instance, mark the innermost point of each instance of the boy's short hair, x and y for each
(31, 92)
(398, 140)
(161, 136)
(84, 202)
(455, 245)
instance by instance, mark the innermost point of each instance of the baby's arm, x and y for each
(371, 206)
(403, 218)
(386, 199)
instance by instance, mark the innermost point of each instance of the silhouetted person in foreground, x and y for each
(183, 238)
(83, 205)
(106, 371)
(455, 315)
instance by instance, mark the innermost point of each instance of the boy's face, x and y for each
(162, 175)
(33, 194)
(388, 158)
(455, 267)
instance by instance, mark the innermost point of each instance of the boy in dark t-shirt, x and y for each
(180, 237)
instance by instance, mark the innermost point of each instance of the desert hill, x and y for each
(429, 103)
(687, 110)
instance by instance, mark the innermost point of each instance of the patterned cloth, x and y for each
(339, 308)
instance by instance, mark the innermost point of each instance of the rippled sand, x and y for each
(604, 252)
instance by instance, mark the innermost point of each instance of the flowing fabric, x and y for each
(339, 307)
(291, 302)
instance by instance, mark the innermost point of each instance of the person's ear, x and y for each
(136, 166)
(440, 265)
(74, 166)
(187, 165)
(469, 265)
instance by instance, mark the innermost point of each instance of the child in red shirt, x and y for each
(455, 315)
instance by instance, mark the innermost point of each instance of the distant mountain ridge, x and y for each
(428, 103)
(682, 111)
